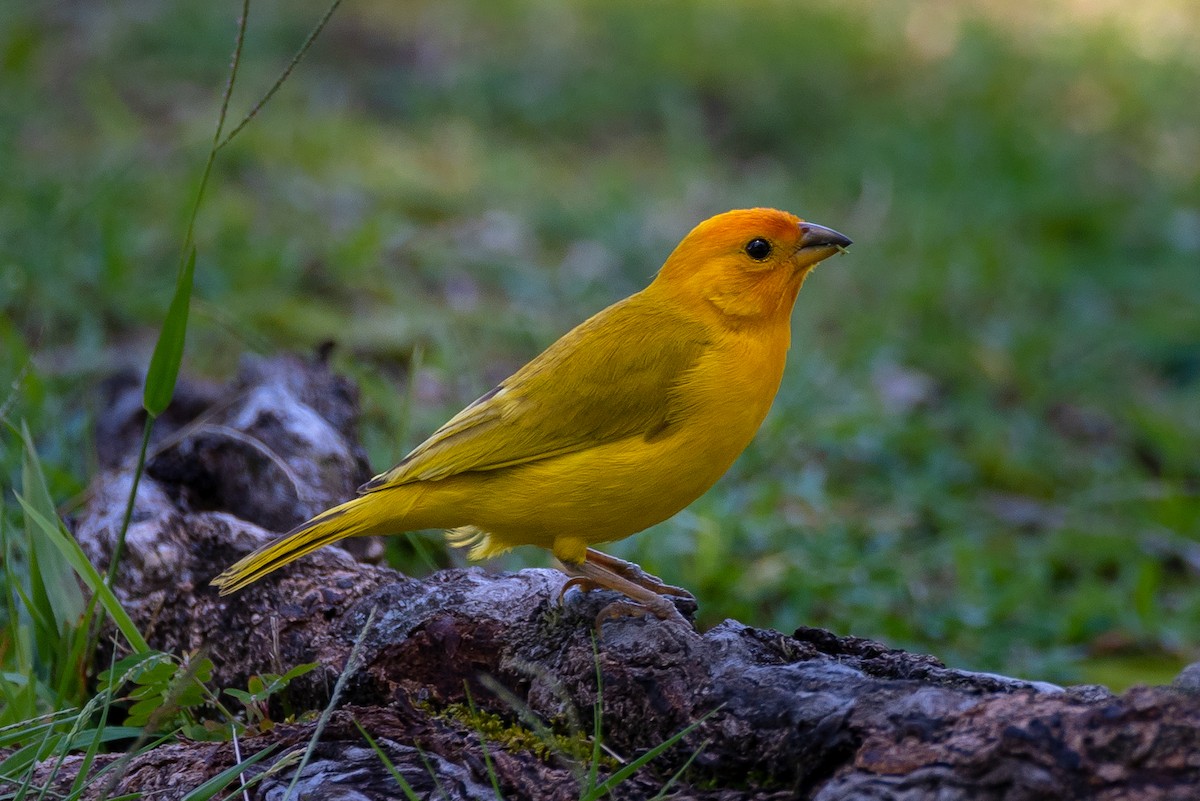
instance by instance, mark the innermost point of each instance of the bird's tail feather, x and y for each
(358, 517)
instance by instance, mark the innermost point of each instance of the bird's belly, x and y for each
(602, 494)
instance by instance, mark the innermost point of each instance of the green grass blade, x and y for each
(54, 586)
(487, 754)
(433, 775)
(20, 762)
(131, 501)
(90, 740)
(104, 698)
(168, 351)
(18, 682)
(338, 687)
(55, 532)
(662, 794)
(36, 612)
(597, 720)
(21, 731)
(633, 767)
(23, 758)
(73, 660)
(218, 783)
(283, 76)
(405, 787)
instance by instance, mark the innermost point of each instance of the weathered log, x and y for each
(805, 715)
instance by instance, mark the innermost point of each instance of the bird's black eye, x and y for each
(758, 249)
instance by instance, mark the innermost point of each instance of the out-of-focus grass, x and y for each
(986, 442)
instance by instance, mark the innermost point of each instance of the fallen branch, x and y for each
(805, 715)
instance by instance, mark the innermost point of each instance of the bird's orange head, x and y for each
(746, 265)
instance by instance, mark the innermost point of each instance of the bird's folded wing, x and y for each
(617, 375)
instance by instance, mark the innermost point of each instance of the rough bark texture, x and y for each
(801, 715)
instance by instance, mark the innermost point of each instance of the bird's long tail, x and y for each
(374, 513)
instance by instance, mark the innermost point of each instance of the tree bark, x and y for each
(803, 715)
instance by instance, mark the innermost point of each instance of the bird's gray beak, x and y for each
(817, 243)
(818, 236)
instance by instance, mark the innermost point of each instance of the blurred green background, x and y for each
(987, 444)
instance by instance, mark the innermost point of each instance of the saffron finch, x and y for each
(617, 426)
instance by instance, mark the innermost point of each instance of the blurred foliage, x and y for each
(986, 445)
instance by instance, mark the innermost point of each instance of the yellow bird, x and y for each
(617, 426)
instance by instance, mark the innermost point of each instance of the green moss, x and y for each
(510, 735)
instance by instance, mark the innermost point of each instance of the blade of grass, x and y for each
(57, 533)
(163, 372)
(433, 775)
(21, 760)
(529, 718)
(234, 64)
(597, 718)
(52, 744)
(283, 76)
(661, 794)
(422, 550)
(72, 660)
(117, 768)
(21, 731)
(53, 584)
(405, 787)
(103, 733)
(85, 766)
(327, 712)
(168, 350)
(487, 755)
(17, 687)
(218, 783)
(148, 737)
(55, 607)
(633, 767)
(161, 377)
(283, 763)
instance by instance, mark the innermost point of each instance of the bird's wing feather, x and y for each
(614, 376)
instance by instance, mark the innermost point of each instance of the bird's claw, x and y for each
(644, 594)
(584, 584)
(657, 585)
(620, 609)
(635, 573)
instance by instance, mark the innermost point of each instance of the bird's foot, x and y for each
(656, 605)
(619, 609)
(644, 594)
(635, 573)
(583, 583)
(655, 584)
